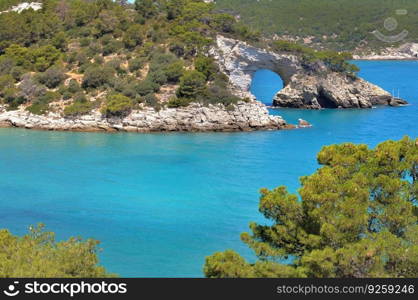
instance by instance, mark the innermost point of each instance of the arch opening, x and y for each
(265, 84)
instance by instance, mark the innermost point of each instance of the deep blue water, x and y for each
(160, 203)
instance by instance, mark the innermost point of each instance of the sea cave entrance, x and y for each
(265, 84)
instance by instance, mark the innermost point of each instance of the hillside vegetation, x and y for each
(76, 55)
(337, 24)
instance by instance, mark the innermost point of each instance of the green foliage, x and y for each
(357, 216)
(333, 24)
(52, 77)
(133, 36)
(174, 71)
(206, 66)
(96, 77)
(38, 254)
(44, 57)
(146, 87)
(78, 107)
(135, 64)
(146, 8)
(37, 59)
(6, 82)
(336, 61)
(178, 102)
(74, 86)
(40, 105)
(117, 104)
(192, 84)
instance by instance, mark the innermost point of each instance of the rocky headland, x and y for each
(194, 118)
(118, 93)
(315, 87)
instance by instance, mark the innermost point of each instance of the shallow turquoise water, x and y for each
(160, 203)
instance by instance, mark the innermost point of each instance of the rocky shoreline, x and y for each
(408, 51)
(244, 116)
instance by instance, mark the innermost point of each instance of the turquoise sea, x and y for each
(160, 203)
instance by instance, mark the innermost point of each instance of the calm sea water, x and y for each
(160, 203)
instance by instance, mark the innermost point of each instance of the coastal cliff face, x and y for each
(303, 88)
(243, 117)
(332, 91)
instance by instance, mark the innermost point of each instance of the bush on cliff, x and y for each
(117, 105)
(336, 61)
(41, 104)
(356, 216)
(176, 102)
(52, 77)
(96, 77)
(80, 106)
(192, 84)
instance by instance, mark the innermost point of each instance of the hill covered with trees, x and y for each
(76, 55)
(334, 24)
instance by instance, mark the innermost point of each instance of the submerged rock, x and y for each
(302, 123)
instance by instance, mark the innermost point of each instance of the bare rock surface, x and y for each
(242, 117)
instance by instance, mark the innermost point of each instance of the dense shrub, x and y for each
(117, 104)
(6, 82)
(38, 59)
(113, 47)
(174, 71)
(133, 36)
(192, 84)
(135, 64)
(159, 77)
(146, 87)
(74, 86)
(78, 108)
(176, 102)
(40, 105)
(96, 77)
(6, 64)
(206, 66)
(38, 254)
(152, 101)
(17, 72)
(336, 61)
(52, 77)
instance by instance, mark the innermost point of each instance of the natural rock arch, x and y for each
(240, 62)
(321, 88)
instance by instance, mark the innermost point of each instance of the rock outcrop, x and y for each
(408, 51)
(24, 6)
(242, 117)
(313, 88)
(239, 61)
(332, 90)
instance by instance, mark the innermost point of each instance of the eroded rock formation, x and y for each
(313, 88)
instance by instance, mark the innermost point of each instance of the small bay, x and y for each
(160, 203)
